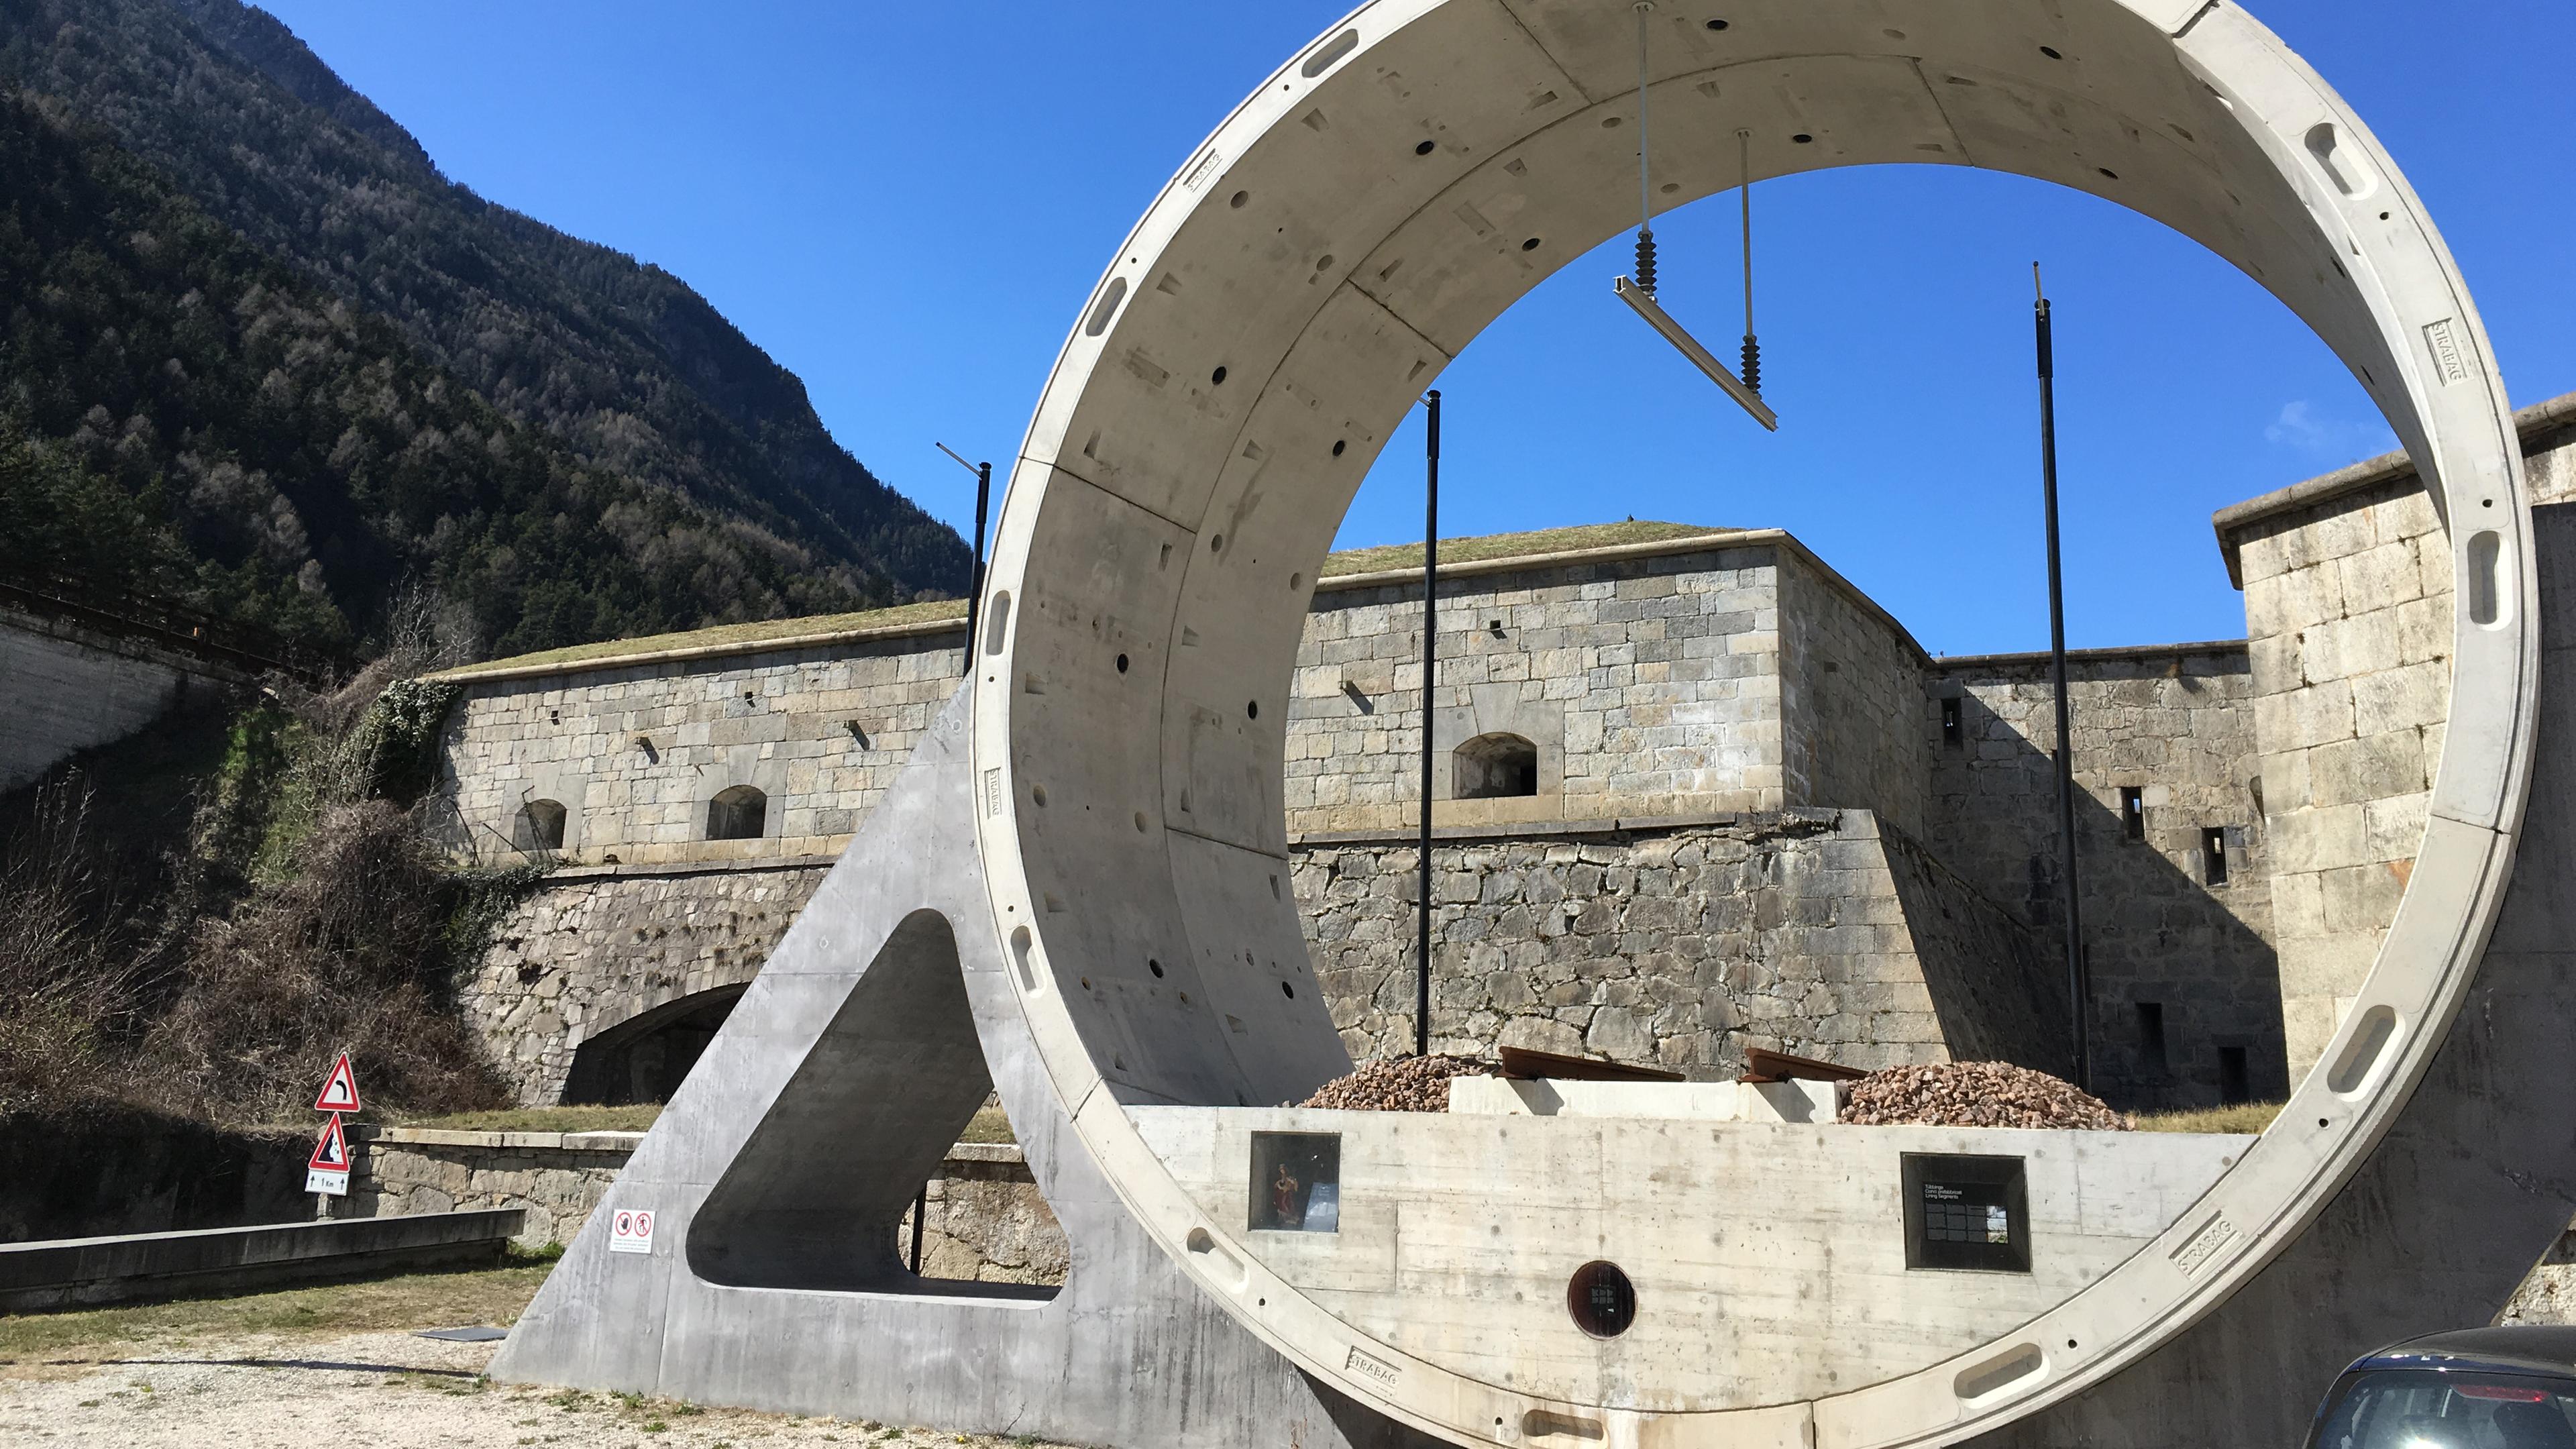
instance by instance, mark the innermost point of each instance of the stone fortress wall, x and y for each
(2183, 983)
(1645, 678)
(1754, 811)
(1648, 684)
(606, 956)
(2348, 616)
(1852, 679)
(634, 749)
(1817, 932)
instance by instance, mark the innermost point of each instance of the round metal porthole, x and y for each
(1601, 1299)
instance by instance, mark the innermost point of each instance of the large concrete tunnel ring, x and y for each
(1307, 273)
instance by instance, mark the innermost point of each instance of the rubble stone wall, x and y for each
(988, 1222)
(1819, 932)
(557, 1177)
(593, 949)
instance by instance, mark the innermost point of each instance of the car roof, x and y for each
(2516, 1348)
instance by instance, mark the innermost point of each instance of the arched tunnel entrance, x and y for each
(645, 1057)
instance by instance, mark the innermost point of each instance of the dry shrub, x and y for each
(67, 990)
(345, 951)
(302, 915)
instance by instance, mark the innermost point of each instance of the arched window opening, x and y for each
(1493, 767)
(738, 812)
(538, 826)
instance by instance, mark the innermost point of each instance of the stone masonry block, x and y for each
(2404, 698)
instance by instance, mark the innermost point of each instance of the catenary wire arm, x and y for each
(1699, 356)
(1639, 292)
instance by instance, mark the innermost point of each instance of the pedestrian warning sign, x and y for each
(328, 1170)
(631, 1231)
(340, 1093)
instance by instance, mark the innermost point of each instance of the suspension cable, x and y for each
(1645, 175)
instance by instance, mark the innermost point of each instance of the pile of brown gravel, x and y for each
(1975, 1094)
(1406, 1084)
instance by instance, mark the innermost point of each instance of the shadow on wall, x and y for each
(2186, 998)
(645, 1057)
(96, 1170)
(1998, 995)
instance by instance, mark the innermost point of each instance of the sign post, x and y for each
(326, 1173)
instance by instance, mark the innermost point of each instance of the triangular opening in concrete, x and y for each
(819, 1196)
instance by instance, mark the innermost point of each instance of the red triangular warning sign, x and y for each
(340, 1094)
(331, 1154)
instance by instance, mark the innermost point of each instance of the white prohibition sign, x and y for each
(631, 1231)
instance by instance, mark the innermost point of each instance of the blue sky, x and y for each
(908, 205)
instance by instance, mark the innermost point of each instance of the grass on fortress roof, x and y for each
(722, 635)
(1513, 545)
(1339, 565)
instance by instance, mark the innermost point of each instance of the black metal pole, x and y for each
(1430, 656)
(975, 590)
(974, 602)
(2078, 990)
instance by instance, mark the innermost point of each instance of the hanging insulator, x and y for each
(1646, 262)
(1752, 362)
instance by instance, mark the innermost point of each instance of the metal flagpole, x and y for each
(2078, 989)
(1430, 646)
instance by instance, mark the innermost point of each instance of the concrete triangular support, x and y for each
(778, 1174)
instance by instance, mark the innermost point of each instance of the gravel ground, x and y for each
(385, 1390)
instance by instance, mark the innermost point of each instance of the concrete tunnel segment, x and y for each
(1310, 270)
(1091, 839)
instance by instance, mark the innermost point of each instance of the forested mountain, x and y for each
(242, 299)
(208, 426)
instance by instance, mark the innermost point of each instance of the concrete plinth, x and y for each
(778, 1175)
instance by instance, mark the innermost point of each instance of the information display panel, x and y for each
(1296, 1182)
(1966, 1214)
